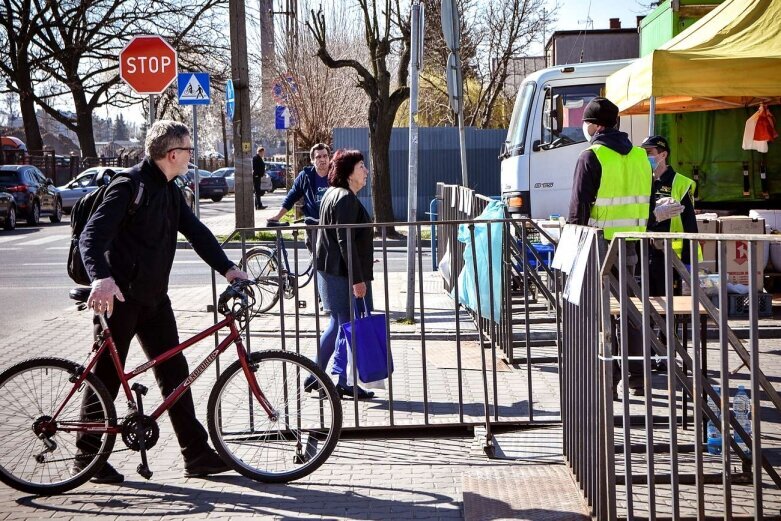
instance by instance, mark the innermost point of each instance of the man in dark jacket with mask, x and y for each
(129, 260)
(612, 191)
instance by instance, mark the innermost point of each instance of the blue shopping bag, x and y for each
(370, 352)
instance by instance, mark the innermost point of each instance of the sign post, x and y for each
(194, 89)
(451, 30)
(416, 63)
(148, 65)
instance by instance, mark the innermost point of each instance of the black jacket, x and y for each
(138, 250)
(588, 174)
(258, 167)
(341, 206)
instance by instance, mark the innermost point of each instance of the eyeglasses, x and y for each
(188, 149)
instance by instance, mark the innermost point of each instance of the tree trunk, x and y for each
(84, 129)
(379, 146)
(32, 131)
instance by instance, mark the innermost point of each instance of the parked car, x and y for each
(34, 194)
(85, 182)
(7, 210)
(189, 195)
(190, 176)
(211, 187)
(229, 174)
(277, 172)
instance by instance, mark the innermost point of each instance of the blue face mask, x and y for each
(653, 161)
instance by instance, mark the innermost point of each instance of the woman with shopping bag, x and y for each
(340, 206)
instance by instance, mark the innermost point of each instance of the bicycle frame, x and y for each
(308, 272)
(105, 342)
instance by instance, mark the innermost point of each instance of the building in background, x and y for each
(592, 45)
(518, 69)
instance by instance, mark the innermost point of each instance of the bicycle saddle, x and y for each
(276, 224)
(80, 294)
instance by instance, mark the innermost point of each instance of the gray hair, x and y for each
(318, 146)
(163, 135)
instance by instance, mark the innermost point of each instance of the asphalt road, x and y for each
(34, 283)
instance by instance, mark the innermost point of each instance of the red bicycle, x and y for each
(261, 418)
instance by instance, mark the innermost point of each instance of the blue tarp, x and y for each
(467, 288)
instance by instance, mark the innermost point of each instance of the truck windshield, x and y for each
(516, 135)
(563, 113)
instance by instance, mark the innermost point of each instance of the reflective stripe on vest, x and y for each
(624, 191)
(681, 186)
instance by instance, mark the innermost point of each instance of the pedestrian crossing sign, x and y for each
(194, 88)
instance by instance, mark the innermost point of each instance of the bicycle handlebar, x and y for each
(240, 293)
(276, 224)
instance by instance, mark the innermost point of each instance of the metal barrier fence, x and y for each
(448, 373)
(528, 331)
(668, 449)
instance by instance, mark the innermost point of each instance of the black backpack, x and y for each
(80, 215)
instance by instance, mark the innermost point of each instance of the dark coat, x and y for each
(138, 250)
(341, 206)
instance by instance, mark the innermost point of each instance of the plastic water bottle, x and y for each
(714, 435)
(741, 408)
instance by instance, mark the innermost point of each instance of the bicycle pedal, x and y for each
(301, 304)
(144, 471)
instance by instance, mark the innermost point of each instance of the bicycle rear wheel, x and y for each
(295, 442)
(261, 265)
(39, 457)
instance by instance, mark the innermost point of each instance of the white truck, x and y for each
(545, 136)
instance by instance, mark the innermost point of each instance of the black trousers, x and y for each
(258, 192)
(155, 327)
(634, 332)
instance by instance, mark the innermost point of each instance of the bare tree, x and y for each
(19, 25)
(322, 98)
(386, 31)
(492, 35)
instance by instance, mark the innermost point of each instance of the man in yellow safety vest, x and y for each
(612, 191)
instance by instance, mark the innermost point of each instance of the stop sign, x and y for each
(147, 64)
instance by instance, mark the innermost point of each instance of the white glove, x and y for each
(667, 208)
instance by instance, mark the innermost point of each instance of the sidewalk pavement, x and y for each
(377, 479)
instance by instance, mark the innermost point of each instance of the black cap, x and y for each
(601, 111)
(657, 142)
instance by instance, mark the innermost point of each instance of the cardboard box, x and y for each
(708, 225)
(737, 251)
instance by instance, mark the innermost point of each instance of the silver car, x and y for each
(85, 182)
(229, 175)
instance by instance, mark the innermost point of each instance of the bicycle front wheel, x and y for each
(295, 438)
(39, 456)
(261, 266)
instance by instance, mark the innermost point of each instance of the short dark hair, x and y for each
(342, 165)
(318, 146)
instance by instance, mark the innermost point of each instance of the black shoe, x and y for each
(345, 390)
(105, 476)
(311, 384)
(262, 207)
(659, 366)
(205, 464)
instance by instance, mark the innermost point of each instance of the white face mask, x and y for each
(585, 131)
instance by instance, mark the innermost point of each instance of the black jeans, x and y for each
(634, 332)
(258, 192)
(155, 327)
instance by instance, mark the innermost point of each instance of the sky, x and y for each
(572, 14)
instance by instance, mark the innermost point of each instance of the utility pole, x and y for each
(242, 138)
(267, 62)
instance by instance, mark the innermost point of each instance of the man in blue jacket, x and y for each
(310, 184)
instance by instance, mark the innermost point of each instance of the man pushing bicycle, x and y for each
(128, 257)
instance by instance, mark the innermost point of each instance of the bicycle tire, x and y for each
(259, 447)
(261, 265)
(35, 388)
